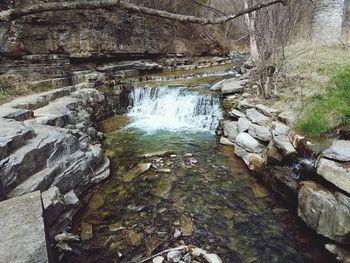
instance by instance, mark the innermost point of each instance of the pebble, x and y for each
(177, 233)
(174, 256)
(158, 259)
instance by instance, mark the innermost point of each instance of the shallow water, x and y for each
(196, 187)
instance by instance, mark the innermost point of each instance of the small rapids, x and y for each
(173, 109)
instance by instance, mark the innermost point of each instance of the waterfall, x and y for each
(174, 109)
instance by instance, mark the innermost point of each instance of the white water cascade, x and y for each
(174, 109)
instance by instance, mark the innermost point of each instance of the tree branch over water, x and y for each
(13, 14)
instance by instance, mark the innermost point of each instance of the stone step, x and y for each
(36, 101)
(39, 181)
(12, 136)
(49, 144)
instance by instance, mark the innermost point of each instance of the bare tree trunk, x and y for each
(250, 20)
(346, 21)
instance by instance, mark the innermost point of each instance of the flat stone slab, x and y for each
(22, 230)
(340, 151)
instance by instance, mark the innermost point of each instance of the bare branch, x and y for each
(12, 14)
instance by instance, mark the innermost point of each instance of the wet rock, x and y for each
(287, 117)
(274, 155)
(230, 130)
(253, 161)
(282, 183)
(116, 227)
(217, 86)
(326, 212)
(163, 188)
(243, 124)
(261, 133)
(299, 142)
(247, 142)
(86, 231)
(283, 144)
(187, 258)
(257, 117)
(174, 256)
(157, 154)
(339, 151)
(186, 225)
(136, 171)
(334, 172)
(97, 201)
(226, 141)
(266, 110)
(135, 238)
(158, 259)
(278, 128)
(342, 254)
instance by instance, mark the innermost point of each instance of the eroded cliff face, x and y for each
(102, 33)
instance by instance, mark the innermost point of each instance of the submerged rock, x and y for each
(158, 259)
(135, 172)
(135, 238)
(342, 254)
(186, 225)
(86, 231)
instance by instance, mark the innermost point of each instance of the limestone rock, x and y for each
(247, 103)
(243, 124)
(257, 117)
(226, 141)
(212, 258)
(232, 86)
(236, 114)
(247, 142)
(287, 117)
(266, 110)
(339, 151)
(334, 172)
(326, 212)
(261, 133)
(230, 130)
(278, 128)
(22, 230)
(283, 144)
(254, 161)
(218, 85)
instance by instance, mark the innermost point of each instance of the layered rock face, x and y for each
(101, 33)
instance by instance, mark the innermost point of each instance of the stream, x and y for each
(173, 184)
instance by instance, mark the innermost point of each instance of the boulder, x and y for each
(243, 124)
(326, 212)
(283, 144)
(257, 117)
(261, 133)
(247, 142)
(236, 114)
(334, 172)
(339, 151)
(230, 129)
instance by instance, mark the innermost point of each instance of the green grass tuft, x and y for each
(328, 109)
